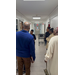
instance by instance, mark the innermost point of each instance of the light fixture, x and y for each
(36, 17)
(33, 0)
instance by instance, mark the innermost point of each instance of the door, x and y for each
(37, 29)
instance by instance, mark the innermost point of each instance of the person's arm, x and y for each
(32, 49)
(49, 51)
(47, 39)
(45, 36)
(34, 37)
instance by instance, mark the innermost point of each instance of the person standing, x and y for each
(46, 34)
(25, 49)
(52, 55)
(31, 32)
(50, 36)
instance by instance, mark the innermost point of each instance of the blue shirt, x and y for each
(25, 44)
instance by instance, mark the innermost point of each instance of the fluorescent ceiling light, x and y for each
(36, 17)
(33, 0)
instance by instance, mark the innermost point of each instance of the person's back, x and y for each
(46, 35)
(51, 56)
(50, 36)
(25, 49)
(23, 43)
(48, 39)
(54, 59)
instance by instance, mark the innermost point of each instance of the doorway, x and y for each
(37, 29)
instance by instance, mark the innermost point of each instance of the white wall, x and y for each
(54, 13)
(46, 25)
(53, 19)
(21, 17)
(54, 22)
(32, 27)
(41, 29)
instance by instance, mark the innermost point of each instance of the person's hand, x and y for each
(45, 61)
(32, 60)
(45, 53)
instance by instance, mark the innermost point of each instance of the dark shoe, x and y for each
(16, 70)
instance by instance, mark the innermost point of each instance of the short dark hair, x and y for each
(32, 30)
(52, 30)
(48, 27)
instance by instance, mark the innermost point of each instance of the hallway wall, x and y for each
(20, 16)
(54, 22)
(53, 19)
(46, 24)
(41, 29)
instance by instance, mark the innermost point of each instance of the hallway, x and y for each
(37, 68)
(41, 14)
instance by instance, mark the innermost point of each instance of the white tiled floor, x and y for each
(37, 68)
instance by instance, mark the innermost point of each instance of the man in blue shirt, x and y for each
(25, 49)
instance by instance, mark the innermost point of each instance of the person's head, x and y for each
(26, 26)
(56, 31)
(31, 32)
(51, 30)
(48, 28)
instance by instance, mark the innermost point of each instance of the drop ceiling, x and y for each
(33, 8)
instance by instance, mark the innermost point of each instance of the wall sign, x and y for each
(43, 24)
(37, 24)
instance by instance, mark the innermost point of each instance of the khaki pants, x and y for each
(26, 62)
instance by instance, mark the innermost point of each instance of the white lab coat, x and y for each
(52, 56)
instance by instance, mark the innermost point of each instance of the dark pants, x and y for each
(23, 61)
(45, 42)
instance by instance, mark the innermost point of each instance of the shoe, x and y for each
(17, 70)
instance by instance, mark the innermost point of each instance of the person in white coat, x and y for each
(52, 55)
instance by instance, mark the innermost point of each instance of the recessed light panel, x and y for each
(33, 0)
(36, 17)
